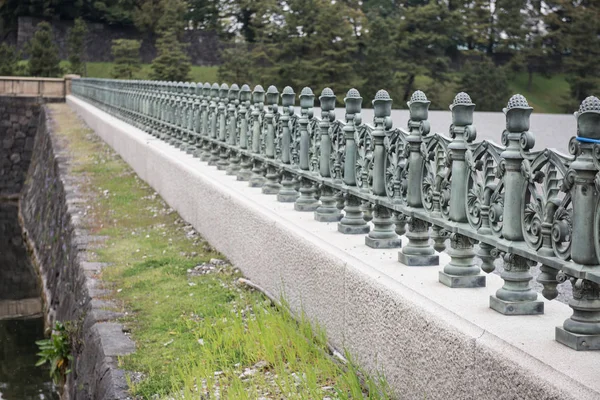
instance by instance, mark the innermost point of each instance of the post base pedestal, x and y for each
(306, 207)
(287, 198)
(270, 189)
(516, 307)
(393, 243)
(232, 170)
(412, 260)
(205, 157)
(577, 341)
(327, 217)
(455, 281)
(257, 183)
(244, 175)
(353, 229)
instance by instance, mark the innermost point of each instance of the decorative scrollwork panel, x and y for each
(395, 165)
(437, 174)
(364, 156)
(485, 188)
(547, 209)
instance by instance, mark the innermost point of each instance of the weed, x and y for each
(56, 351)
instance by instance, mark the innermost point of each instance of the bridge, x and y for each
(373, 211)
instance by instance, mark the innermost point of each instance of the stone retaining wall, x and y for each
(18, 125)
(52, 211)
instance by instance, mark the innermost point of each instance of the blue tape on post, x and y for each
(587, 140)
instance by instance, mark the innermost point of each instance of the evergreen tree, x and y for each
(77, 44)
(146, 16)
(426, 32)
(251, 18)
(205, 14)
(234, 64)
(477, 24)
(114, 12)
(379, 65)
(381, 8)
(322, 52)
(172, 62)
(309, 43)
(43, 52)
(511, 27)
(532, 55)
(126, 55)
(172, 17)
(486, 84)
(9, 60)
(574, 35)
(496, 25)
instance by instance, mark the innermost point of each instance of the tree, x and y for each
(126, 54)
(307, 43)
(172, 63)
(9, 60)
(250, 18)
(234, 64)
(205, 14)
(426, 33)
(381, 8)
(147, 14)
(43, 52)
(532, 54)
(321, 53)
(379, 65)
(512, 25)
(77, 44)
(574, 37)
(114, 12)
(486, 84)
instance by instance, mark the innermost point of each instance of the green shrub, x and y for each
(77, 42)
(9, 60)
(127, 58)
(44, 60)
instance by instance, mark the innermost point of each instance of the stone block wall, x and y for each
(51, 210)
(50, 232)
(18, 124)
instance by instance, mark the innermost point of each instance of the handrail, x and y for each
(527, 207)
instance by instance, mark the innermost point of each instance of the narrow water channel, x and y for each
(21, 319)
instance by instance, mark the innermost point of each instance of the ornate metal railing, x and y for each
(527, 207)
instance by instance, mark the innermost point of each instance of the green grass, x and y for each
(546, 95)
(195, 335)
